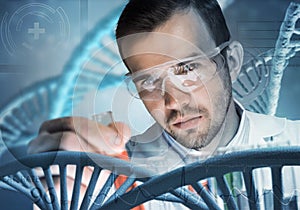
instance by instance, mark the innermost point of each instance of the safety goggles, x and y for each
(185, 74)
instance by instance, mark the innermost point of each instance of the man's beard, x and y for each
(201, 136)
(191, 138)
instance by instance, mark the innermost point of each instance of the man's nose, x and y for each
(174, 97)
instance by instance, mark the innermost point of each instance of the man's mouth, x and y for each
(187, 122)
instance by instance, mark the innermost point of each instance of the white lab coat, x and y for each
(151, 149)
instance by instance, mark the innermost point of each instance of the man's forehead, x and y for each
(145, 61)
(162, 44)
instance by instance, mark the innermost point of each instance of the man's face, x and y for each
(192, 116)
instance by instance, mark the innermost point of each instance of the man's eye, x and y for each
(192, 66)
(149, 84)
(183, 69)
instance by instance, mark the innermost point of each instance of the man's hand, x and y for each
(80, 134)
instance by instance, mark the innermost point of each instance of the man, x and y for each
(182, 63)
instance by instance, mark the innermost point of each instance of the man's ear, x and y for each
(234, 57)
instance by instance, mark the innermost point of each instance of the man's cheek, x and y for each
(158, 115)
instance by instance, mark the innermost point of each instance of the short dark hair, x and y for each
(146, 15)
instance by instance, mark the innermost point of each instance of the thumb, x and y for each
(123, 133)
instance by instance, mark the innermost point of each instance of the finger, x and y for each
(124, 132)
(76, 142)
(73, 142)
(105, 139)
(57, 125)
(46, 142)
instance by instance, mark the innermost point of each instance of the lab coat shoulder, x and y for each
(266, 127)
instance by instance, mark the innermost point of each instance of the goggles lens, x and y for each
(186, 75)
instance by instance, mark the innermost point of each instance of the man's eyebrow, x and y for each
(191, 55)
(141, 77)
(184, 60)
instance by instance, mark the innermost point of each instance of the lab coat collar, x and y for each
(265, 125)
(255, 129)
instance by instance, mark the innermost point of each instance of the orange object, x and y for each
(121, 179)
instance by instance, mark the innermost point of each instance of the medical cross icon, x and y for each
(36, 30)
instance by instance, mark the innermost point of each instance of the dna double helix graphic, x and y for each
(258, 85)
